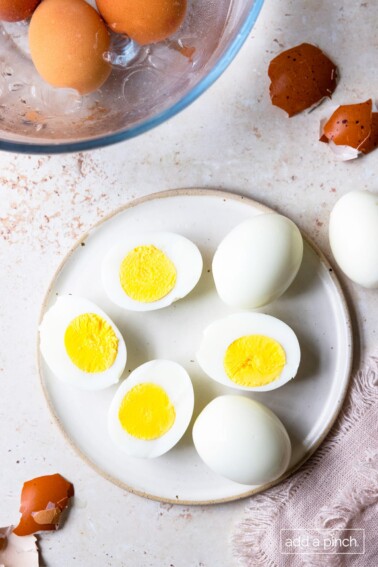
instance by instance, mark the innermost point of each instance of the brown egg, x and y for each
(67, 41)
(42, 501)
(301, 77)
(145, 21)
(353, 125)
(17, 10)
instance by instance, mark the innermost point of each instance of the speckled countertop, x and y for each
(230, 138)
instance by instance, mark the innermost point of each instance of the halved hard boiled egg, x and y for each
(250, 351)
(152, 409)
(81, 344)
(150, 271)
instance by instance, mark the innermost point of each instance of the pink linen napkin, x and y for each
(326, 514)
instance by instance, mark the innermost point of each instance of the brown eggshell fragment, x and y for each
(67, 40)
(17, 551)
(42, 501)
(300, 78)
(371, 143)
(353, 125)
(4, 533)
(17, 10)
(144, 21)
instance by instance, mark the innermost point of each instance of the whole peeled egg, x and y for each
(144, 21)
(257, 261)
(67, 40)
(353, 236)
(17, 10)
(242, 440)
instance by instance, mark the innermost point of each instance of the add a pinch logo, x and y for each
(322, 542)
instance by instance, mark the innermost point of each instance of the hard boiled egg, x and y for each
(150, 271)
(151, 409)
(145, 21)
(249, 351)
(81, 344)
(257, 261)
(353, 235)
(67, 41)
(242, 440)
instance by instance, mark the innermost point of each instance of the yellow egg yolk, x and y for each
(147, 274)
(146, 412)
(91, 343)
(254, 360)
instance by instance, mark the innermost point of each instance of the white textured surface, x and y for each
(232, 138)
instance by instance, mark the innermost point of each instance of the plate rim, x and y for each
(225, 195)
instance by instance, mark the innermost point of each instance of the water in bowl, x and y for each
(145, 80)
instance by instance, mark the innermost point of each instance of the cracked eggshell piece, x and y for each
(353, 236)
(180, 251)
(351, 130)
(257, 261)
(16, 551)
(301, 77)
(43, 499)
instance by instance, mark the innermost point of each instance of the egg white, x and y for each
(182, 252)
(52, 330)
(218, 336)
(176, 382)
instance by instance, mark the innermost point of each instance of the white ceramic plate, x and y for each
(313, 306)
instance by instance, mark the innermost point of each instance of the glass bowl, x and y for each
(148, 84)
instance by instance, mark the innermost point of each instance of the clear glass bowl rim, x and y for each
(191, 96)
